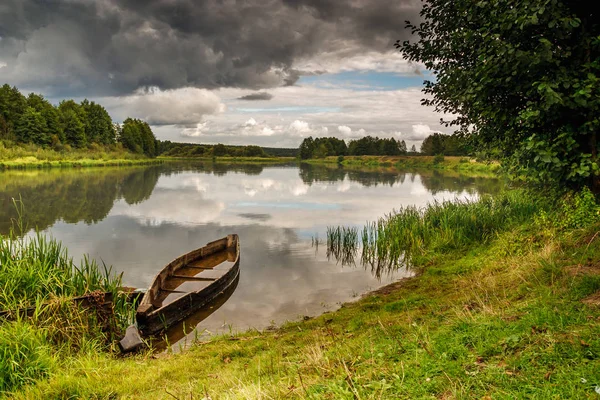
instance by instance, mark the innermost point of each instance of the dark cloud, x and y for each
(257, 96)
(114, 47)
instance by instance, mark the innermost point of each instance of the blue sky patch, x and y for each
(357, 80)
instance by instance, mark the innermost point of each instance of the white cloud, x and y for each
(199, 130)
(419, 132)
(250, 122)
(344, 130)
(299, 128)
(184, 107)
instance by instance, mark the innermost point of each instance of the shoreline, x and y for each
(6, 165)
(505, 314)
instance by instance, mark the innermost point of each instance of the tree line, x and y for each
(368, 145)
(34, 120)
(434, 144)
(170, 149)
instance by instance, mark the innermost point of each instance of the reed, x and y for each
(342, 244)
(397, 238)
(41, 324)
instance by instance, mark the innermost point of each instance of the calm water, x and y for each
(138, 219)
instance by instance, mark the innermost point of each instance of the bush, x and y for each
(340, 159)
(439, 158)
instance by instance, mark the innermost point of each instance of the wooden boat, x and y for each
(188, 283)
(174, 334)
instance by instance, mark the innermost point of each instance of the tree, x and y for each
(306, 148)
(98, 126)
(523, 78)
(32, 128)
(73, 128)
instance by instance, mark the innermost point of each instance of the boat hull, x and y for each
(152, 322)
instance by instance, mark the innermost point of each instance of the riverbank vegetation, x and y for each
(439, 162)
(192, 150)
(36, 128)
(514, 311)
(41, 325)
(23, 156)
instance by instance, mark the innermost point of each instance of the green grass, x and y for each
(37, 274)
(23, 156)
(449, 163)
(494, 311)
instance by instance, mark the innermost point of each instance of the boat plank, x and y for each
(192, 278)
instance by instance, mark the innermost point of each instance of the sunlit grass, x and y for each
(40, 323)
(396, 239)
(23, 156)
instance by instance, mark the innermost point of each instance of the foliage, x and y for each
(33, 120)
(137, 137)
(576, 210)
(331, 146)
(37, 273)
(218, 150)
(449, 145)
(522, 77)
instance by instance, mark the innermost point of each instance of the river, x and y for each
(137, 219)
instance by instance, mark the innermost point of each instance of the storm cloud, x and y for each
(257, 96)
(115, 47)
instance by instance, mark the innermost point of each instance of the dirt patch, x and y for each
(391, 288)
(592, 300)
(582, 270)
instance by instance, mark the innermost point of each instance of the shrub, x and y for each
(439, 158)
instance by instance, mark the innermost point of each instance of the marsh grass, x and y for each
(38, 281)
(342, 244)
(25, 156)
(394, 240)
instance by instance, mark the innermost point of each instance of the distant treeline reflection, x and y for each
(434, 181)
(89, 195)
(71, 196)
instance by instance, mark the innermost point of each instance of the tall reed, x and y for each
(397, 238)
(39, 319)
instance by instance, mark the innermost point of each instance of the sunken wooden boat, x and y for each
(187, 284)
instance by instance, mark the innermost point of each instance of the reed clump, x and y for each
(397, 238)
(40, 321)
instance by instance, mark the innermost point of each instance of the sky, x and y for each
(265, 72)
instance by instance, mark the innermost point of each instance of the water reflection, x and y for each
(139, 219)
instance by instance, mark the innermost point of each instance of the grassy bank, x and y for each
(13, 156)
(462, 164)
(501, 308)
(40, 324)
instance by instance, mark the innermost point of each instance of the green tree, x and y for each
(98, 125)
(523, 78)
(73, 128)
(49, 113)
(219, 150)
(131, 136)
(12, 105)
(306, 148)
(32, 128)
